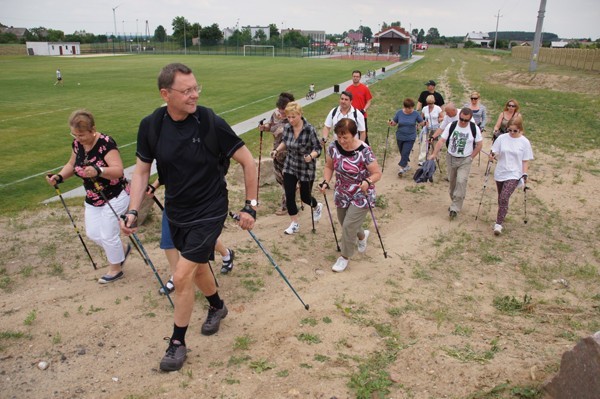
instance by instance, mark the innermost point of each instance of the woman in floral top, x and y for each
(303, 149)
(95, 159)
(356, 172)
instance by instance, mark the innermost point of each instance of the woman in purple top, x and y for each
(407, 120)
(356, 172)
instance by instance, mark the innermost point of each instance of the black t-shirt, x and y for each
(439, 100)
(195, 190)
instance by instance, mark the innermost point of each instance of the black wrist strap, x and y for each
(248, 209)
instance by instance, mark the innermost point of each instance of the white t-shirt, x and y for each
(432, 116)
(332, 120)
(461, 140)
(510, 154)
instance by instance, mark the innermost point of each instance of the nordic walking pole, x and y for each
(259, 158)
(73, 223)
(135, 240)
(525, 188)
(487, 175)
(376, 228)
(330, 218)
(387, 136)
(306, 306)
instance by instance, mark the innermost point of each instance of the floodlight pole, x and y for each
(115, 22)
(537, 39)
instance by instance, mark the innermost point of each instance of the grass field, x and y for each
(120, 91)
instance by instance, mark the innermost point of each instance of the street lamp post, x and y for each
(115, 22)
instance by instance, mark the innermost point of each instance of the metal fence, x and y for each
(587, 59)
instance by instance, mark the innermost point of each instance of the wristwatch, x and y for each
(252, 202)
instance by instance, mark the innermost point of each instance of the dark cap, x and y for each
(430, 83)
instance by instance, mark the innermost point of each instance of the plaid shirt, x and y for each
(306, 142)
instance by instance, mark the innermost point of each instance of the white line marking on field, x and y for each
(34, 115)
(244, 106)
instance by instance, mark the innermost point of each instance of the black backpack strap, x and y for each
(334, 112)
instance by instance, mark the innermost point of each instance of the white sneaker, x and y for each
(497, 229)
(407, 168)
(362, 244)
(294, 227)
(340, 265)
(318, 212)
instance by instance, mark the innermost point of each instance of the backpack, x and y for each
(210, 135)
(473, 131)
(335, 110)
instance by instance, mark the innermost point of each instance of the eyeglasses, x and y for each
(512, 130)
(474, 98)
(464, 120)
(190, 91)
(511, 105)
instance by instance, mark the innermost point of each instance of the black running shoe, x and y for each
(174, 357)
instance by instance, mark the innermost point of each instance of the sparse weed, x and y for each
(309, 338)
(242, 343)
(31, 316)
(261, 365)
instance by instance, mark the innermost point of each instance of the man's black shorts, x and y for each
(197, 243)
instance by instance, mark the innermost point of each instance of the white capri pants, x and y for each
(102, 226)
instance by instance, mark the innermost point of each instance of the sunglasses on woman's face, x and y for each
(513, 130)
(474, 98)
(511, 105)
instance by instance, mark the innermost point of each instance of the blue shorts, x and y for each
(166, 241)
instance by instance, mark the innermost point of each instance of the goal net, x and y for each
(259, 49)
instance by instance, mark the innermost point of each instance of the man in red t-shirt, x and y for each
(361, 98)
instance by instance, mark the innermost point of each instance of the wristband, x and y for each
(369, 182)
(60, 178)
(248, 209)
(152, 188)
(324, 183)
(97, 168)
(132, 212)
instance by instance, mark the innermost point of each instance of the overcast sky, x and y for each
(566, 18)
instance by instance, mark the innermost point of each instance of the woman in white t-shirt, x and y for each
(513, 153)
(432, 114)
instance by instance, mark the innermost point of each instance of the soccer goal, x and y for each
(259, 49)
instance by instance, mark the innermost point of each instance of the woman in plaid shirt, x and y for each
(303, 148)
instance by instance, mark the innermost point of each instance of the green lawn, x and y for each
(120, 91)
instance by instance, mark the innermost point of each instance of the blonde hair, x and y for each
(293, 107)
(82, 120)
(518, 122)
(430, 99)
(476, 94)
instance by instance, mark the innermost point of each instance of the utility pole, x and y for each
(537, 39)
(497, 21)
(184, 39)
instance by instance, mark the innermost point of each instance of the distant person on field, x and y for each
(513, 153)
(462, 148)
(361, 99)
(311, 88)
(95, 158)
(344, 110)
(439, 100)
(59, 79)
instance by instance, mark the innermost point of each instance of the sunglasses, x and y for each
(474, 98)
(464, 120)
(511, 106)
(513, 130)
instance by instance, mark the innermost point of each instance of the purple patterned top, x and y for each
(95, 156)
(350, 169)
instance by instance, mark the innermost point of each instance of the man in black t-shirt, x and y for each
(196, 202)
(439, 100)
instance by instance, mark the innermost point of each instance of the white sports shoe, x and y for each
(318, 212)
(294, 227)
(340, 265)
(497, 229)
(362, 244)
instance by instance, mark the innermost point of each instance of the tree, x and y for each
(211, 35)
(273, 31)
(367, 33)
(432, 35)
(260, 36)
(181, 27)
(397, 23)
(55, 35)
(421, 36)
(295, 39)
(160, 34)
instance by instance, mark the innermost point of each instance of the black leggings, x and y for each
(289, 185)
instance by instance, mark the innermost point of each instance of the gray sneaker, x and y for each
(174, 357)
(211, 324)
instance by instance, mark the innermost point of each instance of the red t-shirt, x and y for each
(360, 96)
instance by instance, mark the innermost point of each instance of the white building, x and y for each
(53, 48)
(480, 38)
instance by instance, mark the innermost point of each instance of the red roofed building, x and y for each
(394, 40)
